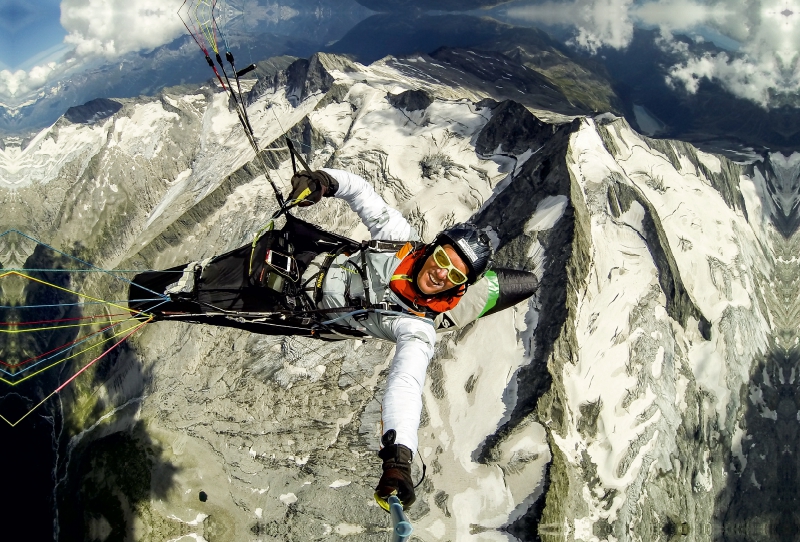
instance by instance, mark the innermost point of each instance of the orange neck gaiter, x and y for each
(403, 284)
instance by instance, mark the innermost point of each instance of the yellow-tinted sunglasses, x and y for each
(454, 275)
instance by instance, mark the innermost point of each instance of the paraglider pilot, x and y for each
(424, 280)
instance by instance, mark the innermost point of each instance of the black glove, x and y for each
(312, 187)
(396, 471)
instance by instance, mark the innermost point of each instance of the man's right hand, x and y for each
(396, 478)
(396, 481)
(309, 188)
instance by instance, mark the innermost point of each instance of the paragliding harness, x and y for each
(260, 287)
(304, 296)
(269, 298)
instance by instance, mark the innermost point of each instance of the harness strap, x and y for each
(323, 271)
(380, 245)
(402, 248)
(367, 303)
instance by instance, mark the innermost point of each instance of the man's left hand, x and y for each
(310, 187)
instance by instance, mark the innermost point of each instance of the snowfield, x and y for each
(621, 402)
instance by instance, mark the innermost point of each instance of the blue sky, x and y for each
(49, 44)
(27, 30)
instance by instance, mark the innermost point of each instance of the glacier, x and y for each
(647, 391)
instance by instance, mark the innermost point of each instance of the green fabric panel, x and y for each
(494, 292)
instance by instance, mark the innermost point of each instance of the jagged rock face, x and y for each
(665, 327)
(92, 111)
(411, 100)
(622, 402)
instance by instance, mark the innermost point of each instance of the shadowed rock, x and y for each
(92, 111)
(411, 100)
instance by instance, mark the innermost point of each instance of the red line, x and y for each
(61, 320)
(73, 377)
(203, 48)
(12, 365)
(220, 79)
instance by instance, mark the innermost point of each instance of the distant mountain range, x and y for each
(254, 31)
(404, 6)
(631, 82)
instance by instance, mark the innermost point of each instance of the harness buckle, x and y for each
(361, 317)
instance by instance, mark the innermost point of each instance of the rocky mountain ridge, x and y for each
(622, 402)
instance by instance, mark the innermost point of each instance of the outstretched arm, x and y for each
(402, 406)
(383, 221)
(402, 401)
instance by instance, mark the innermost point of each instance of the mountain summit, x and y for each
(648, 390)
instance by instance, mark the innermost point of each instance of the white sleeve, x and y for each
(383, 221)
(402, 401)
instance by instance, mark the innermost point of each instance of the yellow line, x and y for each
(15, 382)
(65, 289)
(72, 291)
(66, 326)
(56, 390)
(209, 34)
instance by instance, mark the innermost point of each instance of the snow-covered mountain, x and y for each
(647, 391)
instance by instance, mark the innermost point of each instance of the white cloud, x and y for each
(598, 22)
(678, 15)
(742, 77)
(764, 70)
(96, 30)
(20, 83)
(733, 20)
(111, 28)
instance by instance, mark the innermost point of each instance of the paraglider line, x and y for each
(139, 314)
(73, 377)
(209, 36)
(44, 282)
(147, 313)
(48, 328)
(218, 28)
(241, 110)
(60, 361)
(98, 270)
(61, 349)
(59, 320)
(214, 29)
(94, 267)
(85, 303)
(202, 47)
(57, 350)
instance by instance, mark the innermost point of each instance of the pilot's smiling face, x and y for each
(432, 279)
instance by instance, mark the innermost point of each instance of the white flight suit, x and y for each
(414, 336)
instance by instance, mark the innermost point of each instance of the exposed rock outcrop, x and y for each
(624, 401)
(411, 100)
(93, 111)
